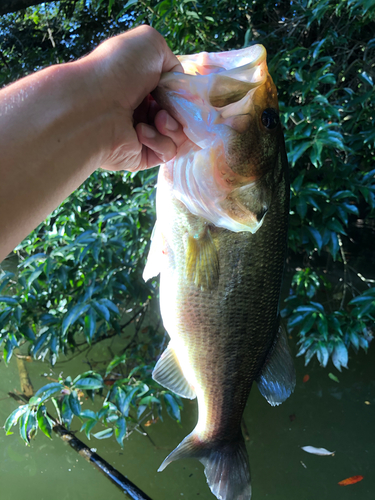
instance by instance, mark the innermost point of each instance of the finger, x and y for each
(162, 148)
(169, 127)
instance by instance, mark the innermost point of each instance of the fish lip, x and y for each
(228, 60)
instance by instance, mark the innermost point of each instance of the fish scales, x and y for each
(221, 274)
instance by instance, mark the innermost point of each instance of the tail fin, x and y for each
(226, 465)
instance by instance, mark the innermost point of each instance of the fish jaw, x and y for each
(221, 172)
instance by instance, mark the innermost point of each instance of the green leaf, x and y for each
(307, 324)
(45, 393)
(88, 383)
(74, 403)
(110, 305)
(102, 310)
(66, 411)
(34, 258)
(89, 414)
(71, 316)
(295, 320)
(27, 332)
(8, 350)
(315, 236)
(44, 422)
(115, 362)
(315, 153)
(340, 356)
(128, 400)
(23, 423)
(318, 46)
(301, 206)
(9, 300)
(90, 325)
(120, 431)
(333, 377)
(148, 400)
(336, 226)
(298, 151)
(34, 275)
(14, 417)
(322, 355)
(129, 3)
(339, 195)
(172, 407)
(107, 433)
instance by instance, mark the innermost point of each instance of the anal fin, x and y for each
(278, 378)
(202, 261)
(168, 373)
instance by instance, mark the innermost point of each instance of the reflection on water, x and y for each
(320, 413)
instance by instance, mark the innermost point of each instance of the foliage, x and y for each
(81, 269)
(123, 407)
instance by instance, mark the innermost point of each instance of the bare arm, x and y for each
(58, 125)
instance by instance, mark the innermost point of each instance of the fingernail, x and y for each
(148, 132)
(171, 124)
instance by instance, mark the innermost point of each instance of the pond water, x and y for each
(321, 413)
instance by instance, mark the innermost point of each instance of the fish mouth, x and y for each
(216, 100)
(210, 87)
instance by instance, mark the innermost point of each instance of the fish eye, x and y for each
(270, 118)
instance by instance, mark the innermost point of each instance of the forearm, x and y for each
(60, 124)
(52, 137)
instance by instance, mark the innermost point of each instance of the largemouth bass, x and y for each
(219, 244)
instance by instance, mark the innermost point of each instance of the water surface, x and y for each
(320, 413)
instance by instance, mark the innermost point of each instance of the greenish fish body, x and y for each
(219, 245)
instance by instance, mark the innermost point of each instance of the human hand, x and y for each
(127, 68)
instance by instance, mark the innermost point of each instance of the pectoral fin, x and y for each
(168, 373)
(202, 261)
(278, 378)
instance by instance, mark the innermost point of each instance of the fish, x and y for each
(220, 244)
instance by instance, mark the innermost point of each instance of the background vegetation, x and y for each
(78, 279)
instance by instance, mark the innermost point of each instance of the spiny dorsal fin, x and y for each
(168, 373)
(202, 261)
(278, 378)
(225, 90)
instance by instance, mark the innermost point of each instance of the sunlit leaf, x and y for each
(105, 434)
(14, 417)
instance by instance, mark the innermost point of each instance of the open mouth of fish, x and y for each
(222, 100)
